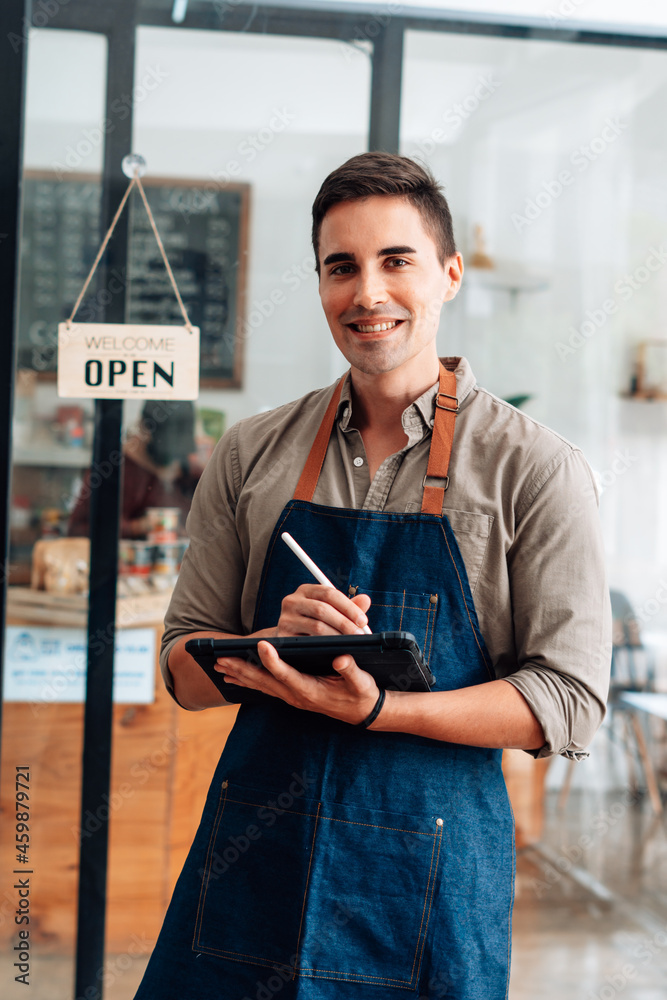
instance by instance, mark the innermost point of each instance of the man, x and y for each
(356, 843)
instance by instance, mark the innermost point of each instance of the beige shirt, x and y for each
(522, 503)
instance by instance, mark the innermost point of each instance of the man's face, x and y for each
(381, 283)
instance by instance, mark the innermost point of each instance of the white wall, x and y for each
(542, 102)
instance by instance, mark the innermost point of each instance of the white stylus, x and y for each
(310, 565)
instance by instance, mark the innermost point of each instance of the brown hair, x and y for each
(371, 174)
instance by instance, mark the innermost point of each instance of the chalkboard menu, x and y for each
(204, 228)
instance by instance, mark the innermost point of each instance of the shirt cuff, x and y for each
(164, 667)
(567, 711)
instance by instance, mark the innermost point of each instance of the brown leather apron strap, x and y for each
(446, 408)
(305, 488)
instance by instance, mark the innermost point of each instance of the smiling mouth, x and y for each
(375, 327)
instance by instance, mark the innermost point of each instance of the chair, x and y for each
(632, 669)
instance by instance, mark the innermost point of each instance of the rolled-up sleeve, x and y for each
(560, 606)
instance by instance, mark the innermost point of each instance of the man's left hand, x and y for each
(350, 696)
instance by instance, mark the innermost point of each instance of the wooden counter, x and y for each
(163, 759)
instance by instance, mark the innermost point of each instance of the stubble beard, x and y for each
(376, 357)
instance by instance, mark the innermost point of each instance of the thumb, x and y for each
(348, 669)
(362, 601)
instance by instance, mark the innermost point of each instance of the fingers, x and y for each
(317, 610)
(271, 659)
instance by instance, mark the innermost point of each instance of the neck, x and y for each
(379, 400)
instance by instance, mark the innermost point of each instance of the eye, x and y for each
(397, 262)
(341, 269)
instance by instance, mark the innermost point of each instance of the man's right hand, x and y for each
(310, 610)
(317, 610)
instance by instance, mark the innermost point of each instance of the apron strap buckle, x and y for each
(435, 482)
(442, 406)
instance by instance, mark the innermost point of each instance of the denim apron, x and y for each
(338, 862)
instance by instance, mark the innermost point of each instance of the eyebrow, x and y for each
(337, 258)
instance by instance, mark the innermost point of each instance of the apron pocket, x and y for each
(255, 876)
(400, 611)
(369, 896)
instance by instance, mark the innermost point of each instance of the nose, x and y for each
(370, 290)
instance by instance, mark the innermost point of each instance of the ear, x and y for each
(453, 269)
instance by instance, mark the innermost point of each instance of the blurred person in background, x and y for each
(160, 469)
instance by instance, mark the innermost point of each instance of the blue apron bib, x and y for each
(338, 862)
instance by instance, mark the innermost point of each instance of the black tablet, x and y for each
(393, 658)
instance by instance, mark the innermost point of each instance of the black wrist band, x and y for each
(376, 711)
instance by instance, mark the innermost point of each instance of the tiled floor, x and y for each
(590, 918)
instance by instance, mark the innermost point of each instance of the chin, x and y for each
(376, 362)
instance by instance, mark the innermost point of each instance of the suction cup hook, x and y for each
(133, 165)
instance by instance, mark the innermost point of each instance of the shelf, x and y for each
(53, 455)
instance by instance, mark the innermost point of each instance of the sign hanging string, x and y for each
(135, 180)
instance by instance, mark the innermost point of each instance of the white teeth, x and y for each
(377, 328)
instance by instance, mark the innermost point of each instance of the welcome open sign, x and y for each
(127, 361)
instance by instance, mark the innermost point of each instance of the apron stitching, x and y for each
(376, 826)
(267, 560)
(431, 902)
(205, 880)
(406, 607)
(334, 819)
(472, 626)
(481, 563)
(270, 963)
(305, 892)
(351, 517)
(437, 837)
(430, 886)
(357, 977)
(430, 648)
(428, 618)
(263, 805)
(509, 912)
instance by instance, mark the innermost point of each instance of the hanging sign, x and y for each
(127, 361)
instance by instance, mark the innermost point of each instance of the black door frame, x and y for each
(385, 30)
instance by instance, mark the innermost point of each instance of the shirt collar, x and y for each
(418, 416)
